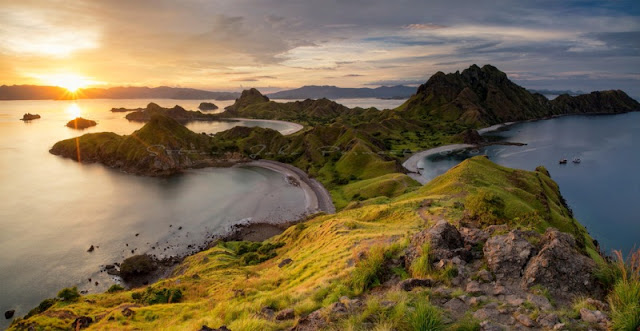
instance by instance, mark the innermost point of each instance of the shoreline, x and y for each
(411, 164)
(295, 126)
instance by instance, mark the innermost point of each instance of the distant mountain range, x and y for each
(334, 92)
(35, 92)
(556, 92)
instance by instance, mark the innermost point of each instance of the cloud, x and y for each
(424, 26)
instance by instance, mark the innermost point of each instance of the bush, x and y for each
(69, 294)
(425, 317)
(151, 296)
(369, 271)
(252, 253)
(624, 298)
(137, 265)
(42, 307)
(115, 288)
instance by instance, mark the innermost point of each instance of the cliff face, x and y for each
(485, 96)
(161, 147)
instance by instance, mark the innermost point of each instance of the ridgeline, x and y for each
(479, 247)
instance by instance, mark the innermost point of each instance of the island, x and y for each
(207, 106)
(29, 117)
(81, 123)
(480, 247)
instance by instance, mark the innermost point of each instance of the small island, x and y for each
(207, 106)
(81, 123)
(29, 117)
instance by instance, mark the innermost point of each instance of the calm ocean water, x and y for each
(603, 190)
(52, 209)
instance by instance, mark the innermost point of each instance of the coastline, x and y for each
(317, 197)
(295, 126)
(411, 164)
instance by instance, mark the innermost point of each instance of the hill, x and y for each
(334, 92)
(34, 92)
(161, 147)
(465, 250)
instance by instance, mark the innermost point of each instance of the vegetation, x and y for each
(69, 294)
(624, 297)
(426, 317)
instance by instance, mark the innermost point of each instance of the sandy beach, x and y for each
(411, 163)
(294, 127)
(317, 197)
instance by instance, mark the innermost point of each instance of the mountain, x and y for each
(34, 92)
(177, 113)
(485, 96)
(334, 92)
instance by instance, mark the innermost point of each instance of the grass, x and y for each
(324, 250)
(421, 267)
(426, 317)
(624, 298)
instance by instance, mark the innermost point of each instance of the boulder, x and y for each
(9, 313)
(524, 320)
(313, 321)
(593, 316)
(507, 255)
(561, 267)
(284, 263)
(411, 283)
(286, 314)
(81, 322)
(136, 266)
(445, 242)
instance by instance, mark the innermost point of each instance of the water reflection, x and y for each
(73, 111)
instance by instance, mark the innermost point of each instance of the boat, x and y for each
(576, 160)
(563, 161)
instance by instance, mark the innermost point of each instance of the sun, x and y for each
(70, 82)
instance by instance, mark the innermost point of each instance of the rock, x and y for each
(285, 314)
(488, 326)
(593, 316)
(597, 303)
(9, 313)
(444, 241)
(524, 320)
(455, 305)
(207, 106)
(136, 266)
(474, 288)
(411, 283)
(127, 312)
(267, 312)
(29, 117)
(507, 255)
(81, 123)
(91, 249)
(338, 308)
(560, 267)
(313, 321)
(484, 276)
(548, 321)
(81, 322)
(499, 290)
(284, 262)
(485, 313)
(559, 326)
(206, 328)
(513, 300)
(540, 301)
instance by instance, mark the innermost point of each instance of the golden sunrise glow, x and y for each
(71, 82)
(73, 110)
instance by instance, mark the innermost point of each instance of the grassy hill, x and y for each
(349, 256)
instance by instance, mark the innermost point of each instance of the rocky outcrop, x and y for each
(207, 106)
(137, 266)
(9, 314)
(444, 240)
(560, 266)
(81, 123)
(248, 97)
(81, 322)
(507, 255)
(29, 117)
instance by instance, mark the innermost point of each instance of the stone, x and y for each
(474, 288)
(444, 241)
(9, 313)
(472, 236)
(81, 322)
(411, 283)
(127, 312)
(548, 321)
(285, 314)
(267, 312)
(284, 262)
(513, 300)
(559, 326)
(91, 249)
(338, 308)
(499, 290)
(540, 301)
(560, 267)
(314, 321)
(507, 255)
(484, 276)
(524, 320)
(593, 316)
(485, 313)
(455, 305)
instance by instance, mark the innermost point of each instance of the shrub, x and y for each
(137, 265)
(368, 272)
(115, 288)
(69, 294)
(425, 317)
(152, 296)
(42, 307)
(624, 298)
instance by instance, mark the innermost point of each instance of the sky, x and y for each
(277, 44)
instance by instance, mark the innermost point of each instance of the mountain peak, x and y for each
(248, 97)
